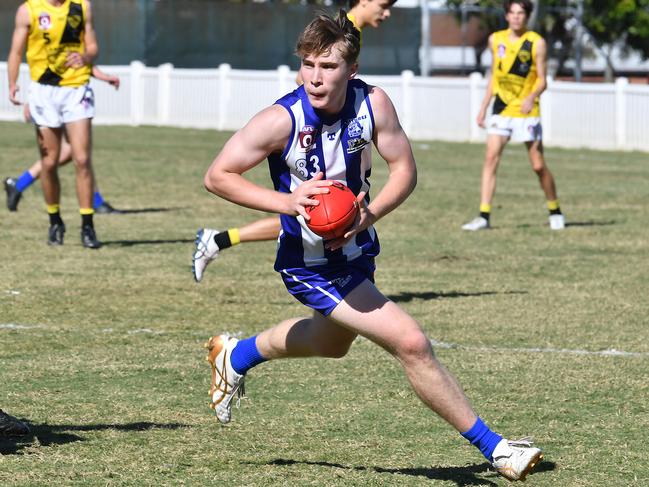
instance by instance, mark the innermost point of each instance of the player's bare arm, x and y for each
(267, 132)
(541, 83)
(81, 59)
(18, 44)
(482, 114)
(108, 78)
(393, 146)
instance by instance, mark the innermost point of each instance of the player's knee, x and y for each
(82, 162)
(414, 345)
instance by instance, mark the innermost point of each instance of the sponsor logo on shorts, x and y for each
(44, 21)
(341, 281)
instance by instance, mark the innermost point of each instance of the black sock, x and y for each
(222, 239)
(86, 221)
(55, 218)
(485, 215)
(557, 211)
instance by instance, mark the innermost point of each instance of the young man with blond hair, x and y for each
(209, 243)
(341, 115)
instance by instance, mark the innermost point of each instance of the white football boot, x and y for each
(478, 223)
(205, 251)
(557, 222)
(514, 459)
(225, 381)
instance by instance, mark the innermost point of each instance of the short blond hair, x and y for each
(324, 31)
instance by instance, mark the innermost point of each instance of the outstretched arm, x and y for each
(267, 132)
(108, 78)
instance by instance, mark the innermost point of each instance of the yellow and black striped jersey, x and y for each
(54, 32)
(514, 72)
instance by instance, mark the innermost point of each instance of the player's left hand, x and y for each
(113, 81)
(75, 60)
(527, 105)
(364, 219)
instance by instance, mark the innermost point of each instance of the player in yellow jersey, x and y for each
(61, 46)
(517, 81)
(209, 242)
(14, 187)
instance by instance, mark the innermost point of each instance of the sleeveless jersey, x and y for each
(333, 145)
(55, 31)
(514, 73)
(360, 31)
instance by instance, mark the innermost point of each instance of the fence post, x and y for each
(474, 105)
(164, 92)
(621, 85)
(224, 94)
(406, 95)
(137, 92)
(285, 82)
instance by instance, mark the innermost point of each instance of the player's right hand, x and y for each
(302, 195)
(13, 95)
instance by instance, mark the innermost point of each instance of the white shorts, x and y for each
(54, 106)
(518, 129)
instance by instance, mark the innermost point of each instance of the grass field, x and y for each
(101, 351)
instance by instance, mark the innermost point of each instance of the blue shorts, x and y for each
(323, 287)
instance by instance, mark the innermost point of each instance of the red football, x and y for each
(335, 213)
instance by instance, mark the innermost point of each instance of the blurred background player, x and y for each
(209, 242)
(14, 187)
(335, 278)
(61, 46)
(517, 81)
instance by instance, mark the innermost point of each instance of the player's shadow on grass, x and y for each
(406, 297)
(58, 434)
(589, 223)
(147, 210)
(462, 476)
(131, 243)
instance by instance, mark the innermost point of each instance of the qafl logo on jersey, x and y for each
(44, 21)
(502, 50)
(306, 138)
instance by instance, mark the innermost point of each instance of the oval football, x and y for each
(335, 213)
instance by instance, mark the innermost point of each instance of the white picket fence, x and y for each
(598, 116)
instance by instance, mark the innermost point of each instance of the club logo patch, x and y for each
(501, 50)
(524, 56)
(306, 138)
(44, 21)
(354, 129)
(74, 21)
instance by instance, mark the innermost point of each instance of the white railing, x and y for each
(598, 116)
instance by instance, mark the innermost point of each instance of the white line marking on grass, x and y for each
(12, 292)
(567, 351)
(14, 326)
(144, 330)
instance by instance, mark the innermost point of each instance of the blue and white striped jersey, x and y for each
(333, 145)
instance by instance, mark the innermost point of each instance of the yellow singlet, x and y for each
(53, 33)
(514, 73)
(353, 19)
